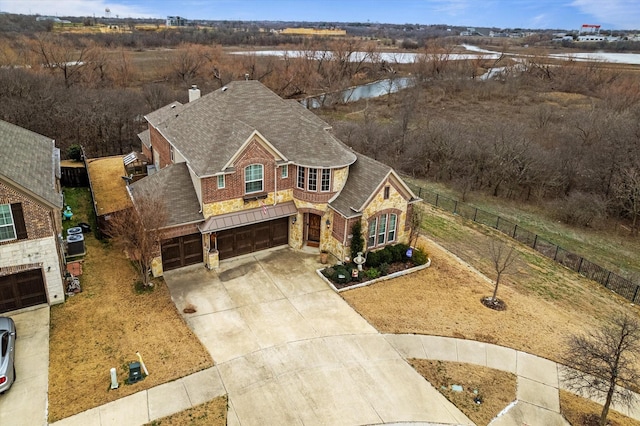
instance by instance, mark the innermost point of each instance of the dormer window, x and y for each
(253, 178)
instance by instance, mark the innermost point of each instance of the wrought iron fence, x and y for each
(614, 282)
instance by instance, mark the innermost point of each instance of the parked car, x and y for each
(8, 338)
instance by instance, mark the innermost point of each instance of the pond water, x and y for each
(365, 91)
(392, 85)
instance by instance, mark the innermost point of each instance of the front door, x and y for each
(313, 231)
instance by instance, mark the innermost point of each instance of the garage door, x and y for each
(181, 251)
(22, 290)
(247, 239)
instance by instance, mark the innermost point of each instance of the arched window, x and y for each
(382, 230)
(253, 178)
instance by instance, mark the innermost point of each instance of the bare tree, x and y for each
(604, 363)
(503, 258)
(138, 232)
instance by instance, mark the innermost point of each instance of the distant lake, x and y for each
(474, 52)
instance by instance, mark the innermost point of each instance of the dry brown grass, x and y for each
(543, 300)
(496, 388)
(109, 189)
(578, 410)
(212, 413)
(104, 327)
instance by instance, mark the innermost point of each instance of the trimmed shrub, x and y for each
(386, 255)
(373, 259)
(339, 271)
(372, 273)
(384, 269)
(419, 256)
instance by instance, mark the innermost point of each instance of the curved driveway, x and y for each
(291, 351)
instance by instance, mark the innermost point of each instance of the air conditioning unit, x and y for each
(75, 245)
(74, 231)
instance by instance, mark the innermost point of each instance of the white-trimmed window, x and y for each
(382, 229)
(7, 228)
(171, 154)
(371, 241)
(391, 231)
(253, 178)
(325, 182)
(312, 184)
(221, 181)
(284, 171)
(300, 182)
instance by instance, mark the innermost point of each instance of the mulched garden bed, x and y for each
(382, 264)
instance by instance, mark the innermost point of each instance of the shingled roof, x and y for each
(31, 161)
(173, 186)
(365, 176)
(209, 131)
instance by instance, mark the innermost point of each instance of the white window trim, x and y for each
(328, 182)
(221, 180)
(372, 234)
(315, 181)
(284, 173)
(382, 224)
(11, 225)
(171, 154)
(395, 228)
(261, 180)
(300, 169)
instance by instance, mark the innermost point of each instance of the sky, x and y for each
(534, 14)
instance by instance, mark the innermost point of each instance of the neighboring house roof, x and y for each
(30, 161)
(365, 177)
(172, 185)
(158, 116)
(107, 184)
(209, 131)
(145, 137)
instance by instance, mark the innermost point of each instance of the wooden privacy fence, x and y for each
(614, 282)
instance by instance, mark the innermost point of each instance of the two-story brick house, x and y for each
(242, 170)
(31, 257)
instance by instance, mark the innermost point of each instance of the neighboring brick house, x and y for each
(31, 256)
(242, 170)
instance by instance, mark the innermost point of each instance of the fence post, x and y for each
(580, 264)
(535, 241)
(635, 294)
(475, 214)
(555, 256)
(419, 192)
(455, 206)
(515, 229)
(606, 283)
(437, 195)
(497, 222)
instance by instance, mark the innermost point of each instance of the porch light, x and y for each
(328, 223)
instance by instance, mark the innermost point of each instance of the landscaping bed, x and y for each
(386, 263)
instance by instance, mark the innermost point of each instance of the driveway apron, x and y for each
(291, 351)
(26, 402)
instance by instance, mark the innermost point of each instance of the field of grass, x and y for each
(609, 245)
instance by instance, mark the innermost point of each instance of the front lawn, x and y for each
(104, 327)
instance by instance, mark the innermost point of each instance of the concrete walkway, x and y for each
(288, 350)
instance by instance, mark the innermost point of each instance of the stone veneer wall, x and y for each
(42, 251)
(395, 202)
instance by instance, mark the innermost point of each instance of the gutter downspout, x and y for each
(275, 185)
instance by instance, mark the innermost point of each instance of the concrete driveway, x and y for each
(291, 351)
(26, 402)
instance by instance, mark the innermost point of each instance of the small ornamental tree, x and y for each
(138, 232)
(503, 258)
(357, 242)
(604, 363)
